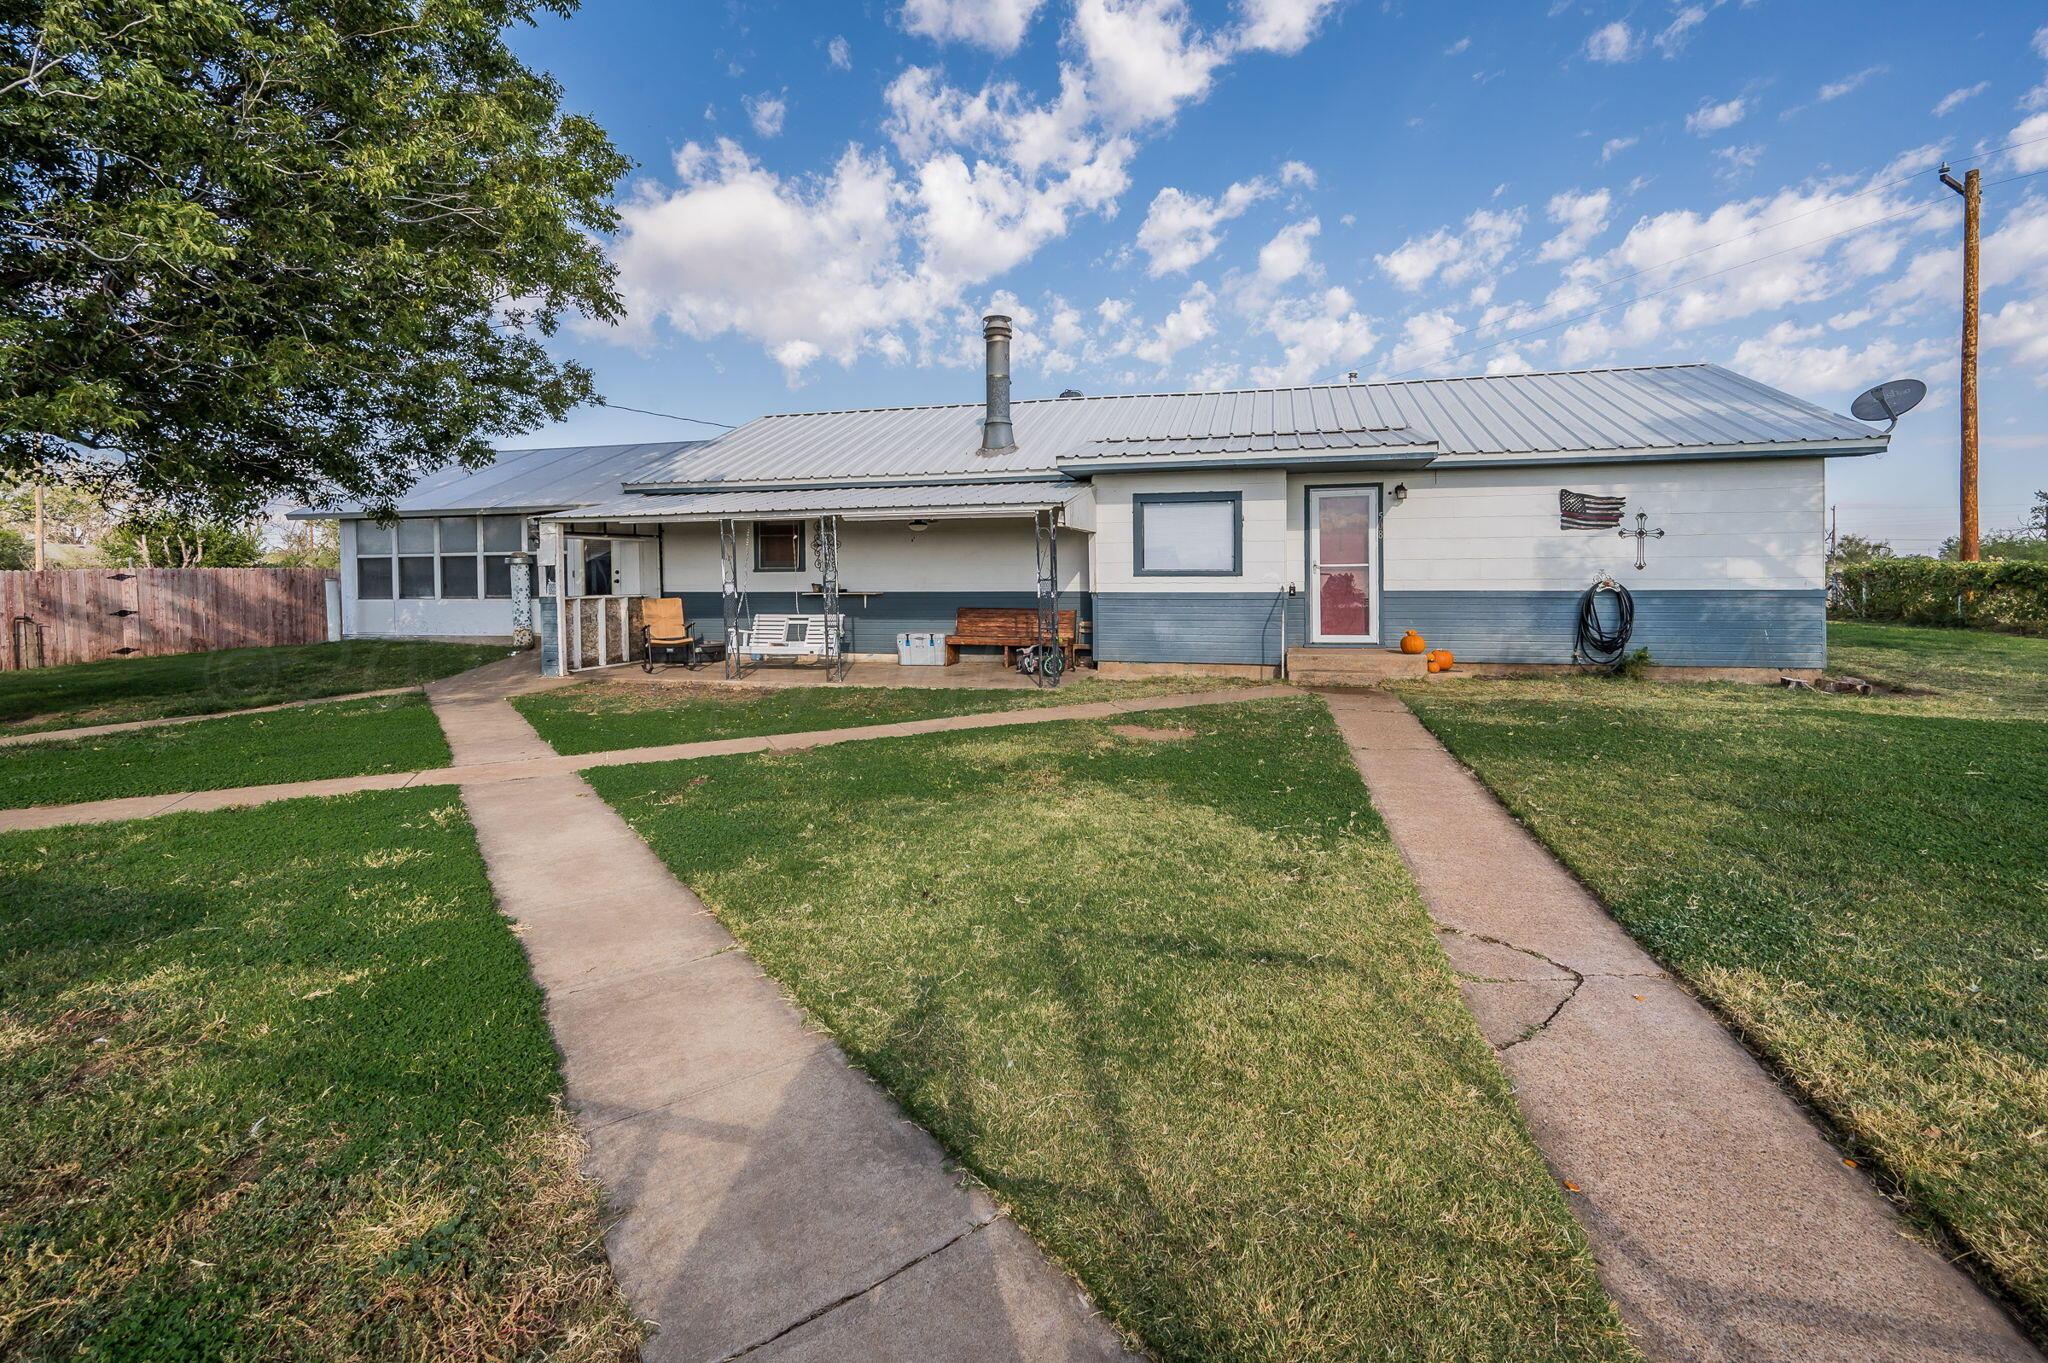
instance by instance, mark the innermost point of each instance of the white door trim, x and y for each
(1316, 565)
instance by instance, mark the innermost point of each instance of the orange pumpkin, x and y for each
(1443, 658)
(1434, 665)
(1411, 642)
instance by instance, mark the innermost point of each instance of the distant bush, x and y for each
(2006, 594)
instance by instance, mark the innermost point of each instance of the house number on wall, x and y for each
(1641, 533)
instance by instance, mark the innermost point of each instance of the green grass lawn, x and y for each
(1177, 1003)
(605, 716)
(1861, 885)
(346, 738)
(279, 1086)
(231, 679)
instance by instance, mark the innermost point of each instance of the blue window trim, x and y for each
(760, 567)
(1141, 500)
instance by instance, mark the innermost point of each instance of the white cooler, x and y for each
(923, 650)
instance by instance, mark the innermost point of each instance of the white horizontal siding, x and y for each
(887, 556)
(1265, 530)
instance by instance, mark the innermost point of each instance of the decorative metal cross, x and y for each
(1639, 534)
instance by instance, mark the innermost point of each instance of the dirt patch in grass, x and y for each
(1176, 1003)
(1146, 734)
(266, 1101)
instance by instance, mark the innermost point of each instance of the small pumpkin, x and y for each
(1443, 658)
(1411, 642)
(1434, 666)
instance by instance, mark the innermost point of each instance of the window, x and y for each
(502, 536)
(458, 557)
(597, 567)
(373, 561)
(416, 559)
(779, 547)
(1188, 534)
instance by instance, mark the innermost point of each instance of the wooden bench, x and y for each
(788, 636)
(1006, 627)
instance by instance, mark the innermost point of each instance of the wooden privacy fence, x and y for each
(81, 615)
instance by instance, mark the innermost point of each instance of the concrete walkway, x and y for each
(489, 747)
(1725, 1227)
(771, 1201)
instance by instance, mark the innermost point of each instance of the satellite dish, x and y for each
(1888, 401)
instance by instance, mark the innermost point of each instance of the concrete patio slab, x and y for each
(1724, 1225)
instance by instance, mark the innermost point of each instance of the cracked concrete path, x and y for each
(488, 748)
(1725, 1227)
(771, 1202)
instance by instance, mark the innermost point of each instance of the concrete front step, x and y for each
(1352, 666)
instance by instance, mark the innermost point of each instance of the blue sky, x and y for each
(1233, 192)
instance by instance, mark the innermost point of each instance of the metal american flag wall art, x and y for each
(1584, 511)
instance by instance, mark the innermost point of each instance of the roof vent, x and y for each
(1072, 393)
(997, 435)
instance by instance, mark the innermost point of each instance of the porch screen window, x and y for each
(458, 557)
(502, 535)
(597, 567)
(416, 559)
(779, 547)
(373, 561)
(1182, 534)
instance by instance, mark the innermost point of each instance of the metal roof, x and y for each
(533, 480)
(853, 503)
(1668, 408)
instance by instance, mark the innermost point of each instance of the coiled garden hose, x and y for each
(1600, 643)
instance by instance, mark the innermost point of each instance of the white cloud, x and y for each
(2032, 129)
(1835, 89)
(1113, 310)
(841, 53)
(1454, 257)
(1184, 326)
(1954, 99)
(1425, 344)
(2021, 327)
(1678, 32)
(1179, 231)
(766, 113)
(1582, 218)
(997, 25)
(1289, 253)
(1712, 118)
(1460, 46)
(1317, 333)
(1146, 57)
(1781, 358)
(1737, 161)
(1297, 174)
(1615, 42)
(1283, 26)
(1613, 147)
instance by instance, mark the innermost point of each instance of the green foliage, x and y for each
(1636, 666)
(2008, 594)
(15, 549)
(279, 1086)
(309, 248)
(308, 544)
(1857, 549)
(169, 540)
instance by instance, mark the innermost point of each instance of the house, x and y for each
(1208, 529)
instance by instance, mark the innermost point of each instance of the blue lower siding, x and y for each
(1717, 628)
(876, 621)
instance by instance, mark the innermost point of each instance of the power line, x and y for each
(647, 411)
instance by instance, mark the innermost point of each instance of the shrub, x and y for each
(2006, 594)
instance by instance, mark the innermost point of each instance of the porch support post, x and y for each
(827, 547)
(729, 569)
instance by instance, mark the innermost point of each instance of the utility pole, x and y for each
(1972, 190)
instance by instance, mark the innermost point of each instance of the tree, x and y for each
(1857, 549)
(169, 540)
(15, 549)
(297, 248)
(2037, 515)
(308, 544)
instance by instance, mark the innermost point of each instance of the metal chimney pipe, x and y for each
(997, 435)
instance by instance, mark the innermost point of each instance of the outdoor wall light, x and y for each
(1400, 493)
(918, 525)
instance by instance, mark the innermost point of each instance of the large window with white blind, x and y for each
(1188, 534)
(445, 558)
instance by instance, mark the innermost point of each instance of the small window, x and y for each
(597, 567)
(372, 538)
(416, 578)
(1189, 534)
(373, 578)
(497, 575)
(416, 537)
(458, 576)
(503, 534)
(458, 534)
(779, 547)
